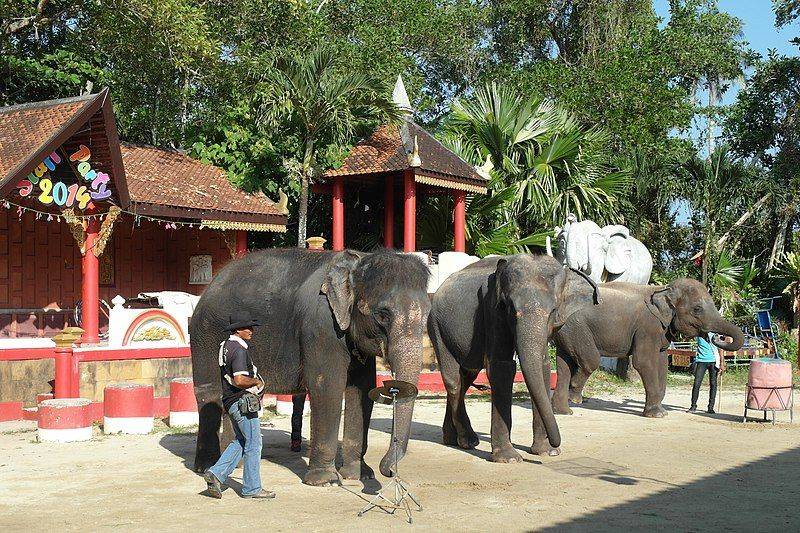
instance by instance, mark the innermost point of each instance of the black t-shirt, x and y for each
(234, 360)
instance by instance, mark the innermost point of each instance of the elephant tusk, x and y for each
(549, 247)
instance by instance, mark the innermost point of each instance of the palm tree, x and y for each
(720, 191)
(542, 165)
(321, 102)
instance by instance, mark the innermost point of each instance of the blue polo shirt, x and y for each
(706, 352)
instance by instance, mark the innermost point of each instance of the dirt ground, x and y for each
(617, 470)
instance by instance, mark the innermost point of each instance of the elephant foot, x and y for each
(203, 463)
(506, 454)
(449, 436)
(576, 398)
(561, 409)
(468, 441)
(357, 470)
(656, 411)
(321, 477)
(544, 448)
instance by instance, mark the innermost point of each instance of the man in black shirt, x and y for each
(239, 376)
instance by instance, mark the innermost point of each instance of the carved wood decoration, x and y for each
(105, 230)
(230, 241)
(77, 227)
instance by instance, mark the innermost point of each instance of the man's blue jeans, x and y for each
(247, 443)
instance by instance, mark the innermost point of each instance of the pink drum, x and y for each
(769, 384)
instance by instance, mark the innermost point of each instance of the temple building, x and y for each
(88, 217)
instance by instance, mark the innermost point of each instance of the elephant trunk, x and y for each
(406, 358)
(723, 327)
(531, 345)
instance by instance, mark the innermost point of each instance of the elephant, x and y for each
(325, 317)
(638, 321)
(484, 313)
(605, 254)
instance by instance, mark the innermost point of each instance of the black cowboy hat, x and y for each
(242, 320)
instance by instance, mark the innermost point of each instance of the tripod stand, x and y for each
(395, 495)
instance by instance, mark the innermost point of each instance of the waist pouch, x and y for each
(249, 403)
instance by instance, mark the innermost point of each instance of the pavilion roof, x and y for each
(389, 148)
(144, 179)
(30, 132)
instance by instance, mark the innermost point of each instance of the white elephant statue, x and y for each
(603, 254)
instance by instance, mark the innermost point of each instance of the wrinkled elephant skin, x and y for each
(480, 317)
(325, 317)
(638, 321)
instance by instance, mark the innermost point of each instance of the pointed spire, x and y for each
(400, 97)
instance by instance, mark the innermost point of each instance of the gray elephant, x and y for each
(325, 316)
(638, 321)
(605, 254)
(484, 313)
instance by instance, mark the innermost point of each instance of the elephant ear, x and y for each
(338, 287)
(579, 291)
(619, 254)
(662, 305)
(498, 271)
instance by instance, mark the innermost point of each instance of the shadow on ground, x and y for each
(421, 431)
(758, 496)
(275, 449)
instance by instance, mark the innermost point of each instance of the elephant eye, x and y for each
(698, 309)
(383, 316)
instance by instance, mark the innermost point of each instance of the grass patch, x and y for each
(19, 431)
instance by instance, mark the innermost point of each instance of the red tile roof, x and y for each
(161, 182)
(386, 151)
(24, 128)
(170, 178)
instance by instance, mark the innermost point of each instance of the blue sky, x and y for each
(759, 24)
(760, 32)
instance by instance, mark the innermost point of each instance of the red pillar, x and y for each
(410, 212)
(90, 286)
(63, 382)
(241, 242)
(459, 221)
(338, 213)
(388, 213)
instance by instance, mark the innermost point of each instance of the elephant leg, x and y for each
(651, 363)
(501, 379)
(357, 415)
(565, 367)
(540, 445)
(210, 410)
(456, 430)
(467, 438)
(587, 360)
(326, 385)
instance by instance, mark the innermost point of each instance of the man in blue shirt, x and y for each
(708, 359)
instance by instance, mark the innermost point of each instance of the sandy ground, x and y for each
(617, 470)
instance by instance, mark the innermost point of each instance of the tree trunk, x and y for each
(779, 243)
(712, 102)
(302, 216)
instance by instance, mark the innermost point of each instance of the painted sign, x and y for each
(53, 192)
(200, 270)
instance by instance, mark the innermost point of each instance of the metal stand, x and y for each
(396, 487)
(773, 392)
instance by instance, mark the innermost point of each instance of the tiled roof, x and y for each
(386, 151)
(169, 178)
(24, 128)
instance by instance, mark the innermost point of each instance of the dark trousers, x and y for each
(298, 401)
(699, 372)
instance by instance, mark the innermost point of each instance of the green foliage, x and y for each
(543, 165)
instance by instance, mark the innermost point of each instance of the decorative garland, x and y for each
(105, 231)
